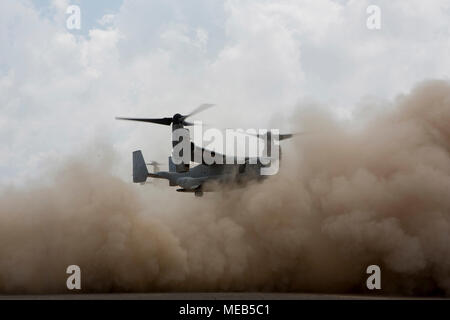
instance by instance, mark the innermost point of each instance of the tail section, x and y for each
(140, 172)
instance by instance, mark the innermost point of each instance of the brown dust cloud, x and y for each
(346, 197)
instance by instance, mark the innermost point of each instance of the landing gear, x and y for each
(198, 193)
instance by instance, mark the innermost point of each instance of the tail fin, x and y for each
(140, 172)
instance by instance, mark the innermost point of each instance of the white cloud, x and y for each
(255, 59)
(107, 19)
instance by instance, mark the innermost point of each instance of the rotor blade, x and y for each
(281, 136)
(290, 135)
(285, 136)
(163, 121)
(154, 163)
(199, 109)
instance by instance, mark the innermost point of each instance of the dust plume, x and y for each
(346, 197)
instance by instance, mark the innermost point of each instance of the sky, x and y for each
(258, 61)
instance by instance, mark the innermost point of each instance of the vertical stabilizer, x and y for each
(140, 172)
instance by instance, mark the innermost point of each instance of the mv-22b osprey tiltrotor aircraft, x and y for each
(205, 176)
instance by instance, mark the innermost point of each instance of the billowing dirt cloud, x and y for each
(346, 197)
